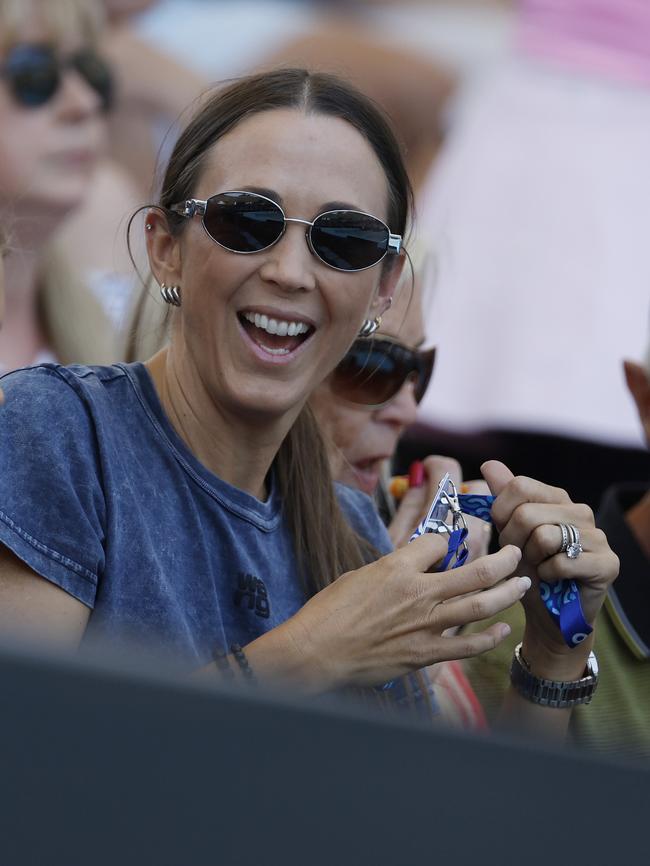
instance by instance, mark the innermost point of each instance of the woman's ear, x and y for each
(163, 249)
(388, 285)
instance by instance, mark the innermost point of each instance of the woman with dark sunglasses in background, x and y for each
(192, 505)
(363, 408)
(54, 91)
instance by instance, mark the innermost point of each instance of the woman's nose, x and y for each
(401, 411)
(289, 263)
(76, 99)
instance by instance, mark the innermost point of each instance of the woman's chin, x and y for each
(365, 478)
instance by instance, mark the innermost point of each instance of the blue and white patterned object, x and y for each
(562, 599)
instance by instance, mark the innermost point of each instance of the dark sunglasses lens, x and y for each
(370, 374)
(348, 240)
(33, 74)
(243, 222)
(426, 371)
(97, 74)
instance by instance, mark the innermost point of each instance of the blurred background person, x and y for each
(151, 92)
(536, 213)
(54, 91)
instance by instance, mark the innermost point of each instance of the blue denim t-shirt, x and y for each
(99, 495)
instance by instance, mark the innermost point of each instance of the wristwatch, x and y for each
(553, 693)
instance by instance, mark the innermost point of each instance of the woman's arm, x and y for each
(32, 608)
(388, 618)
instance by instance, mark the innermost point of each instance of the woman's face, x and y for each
(361, 439)
(308, 164)
(48, 153)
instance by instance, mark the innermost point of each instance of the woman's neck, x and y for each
(22, 336)
(239, 451)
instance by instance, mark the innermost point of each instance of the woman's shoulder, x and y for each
(68, 405)
(362, 515)
(54, 388)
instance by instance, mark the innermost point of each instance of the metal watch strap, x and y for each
(553, 693)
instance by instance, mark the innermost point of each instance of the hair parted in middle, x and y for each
(324, 543)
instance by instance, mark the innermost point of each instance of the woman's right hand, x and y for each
(383, 620)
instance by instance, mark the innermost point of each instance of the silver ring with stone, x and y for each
(565, 537)
(574, 548)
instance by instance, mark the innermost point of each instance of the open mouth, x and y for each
(275, 336)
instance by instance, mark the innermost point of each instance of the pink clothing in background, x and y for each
(611, 37)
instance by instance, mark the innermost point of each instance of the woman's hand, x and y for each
(526, 513)
(415, 503)
(388, 618)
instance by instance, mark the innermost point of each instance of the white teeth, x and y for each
(273, 326)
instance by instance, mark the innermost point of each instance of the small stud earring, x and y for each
(171, 294)
(148, 227)
(369, 327)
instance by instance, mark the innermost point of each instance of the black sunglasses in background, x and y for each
(34, 73)
(247, 222)
(375, 369)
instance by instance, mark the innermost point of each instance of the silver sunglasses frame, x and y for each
(192, 207)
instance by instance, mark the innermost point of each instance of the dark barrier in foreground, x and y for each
(101, 766)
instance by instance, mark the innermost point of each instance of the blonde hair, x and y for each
(60, 19)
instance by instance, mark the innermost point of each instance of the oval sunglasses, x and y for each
(247, 222)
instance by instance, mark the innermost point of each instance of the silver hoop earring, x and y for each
(171, 294)
(369, 327)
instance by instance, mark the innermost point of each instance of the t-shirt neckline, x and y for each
(265, 515)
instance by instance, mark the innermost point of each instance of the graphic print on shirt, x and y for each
(251, 590)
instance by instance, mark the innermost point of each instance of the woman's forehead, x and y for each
(308, 159)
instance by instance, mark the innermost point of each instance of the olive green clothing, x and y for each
(617, 721)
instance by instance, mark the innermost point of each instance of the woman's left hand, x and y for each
(526, 513)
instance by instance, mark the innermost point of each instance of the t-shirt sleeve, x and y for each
(363, 517)
(52, 507)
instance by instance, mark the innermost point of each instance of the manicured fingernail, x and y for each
(416, 474)
(524, 584)
(505, 629)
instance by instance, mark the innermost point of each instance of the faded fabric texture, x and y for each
(100, 496)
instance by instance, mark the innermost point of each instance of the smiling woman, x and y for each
(192, 505)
